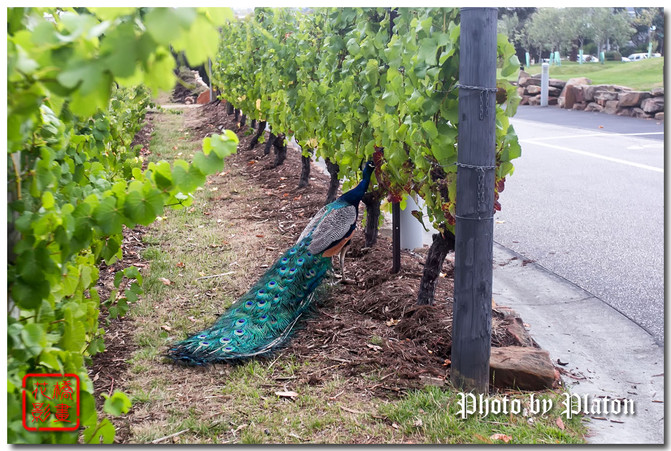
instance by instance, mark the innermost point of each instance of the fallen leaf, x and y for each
(560, 424)
(394, 425)
(374, 347)
(418, 423)
(392, 322)
(174, 147)
(164, 280)
(180, 264)
(166, 328)
(504, 437)
(482, 438)
(287, 394)
(285, 195)
(251, 162)
(192, 319)
(259, 236)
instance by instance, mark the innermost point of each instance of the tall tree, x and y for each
(610, 26)
(548, 29)
(579, 21)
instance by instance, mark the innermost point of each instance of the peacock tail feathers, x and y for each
(262, 319)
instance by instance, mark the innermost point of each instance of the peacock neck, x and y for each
(355, 195)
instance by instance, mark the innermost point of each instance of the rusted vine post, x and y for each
(472, 311)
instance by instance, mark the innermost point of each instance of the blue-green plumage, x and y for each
(263, 318)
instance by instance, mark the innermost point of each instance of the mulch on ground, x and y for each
(370, 323)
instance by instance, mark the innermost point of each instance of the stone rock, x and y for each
(554, 92)
(203, 98)
(572, 94)
(602, 97)
(534, 81)
(638, 112)
(623, 111)
(557, 83)
(579, 106)
(525, 100)
(522, 76)
(579, 81)
(653, 104)
(632, 98)
(520, 91)
(515, 327)
(533, 89)
(509, 320)
(593, 107)
(659, 116)
(523, 368)
(535, 100)
(657, 92)
(552, 100)
(611, 107)
(593, 90)
(188, 100)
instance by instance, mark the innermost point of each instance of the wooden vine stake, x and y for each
(472, 311)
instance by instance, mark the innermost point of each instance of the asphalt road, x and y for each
(586, 202)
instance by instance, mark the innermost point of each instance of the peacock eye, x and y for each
(224, 340)
(241, 321)
(202, 336)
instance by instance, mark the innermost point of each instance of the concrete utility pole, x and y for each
(472, 311)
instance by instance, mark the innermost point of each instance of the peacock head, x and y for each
(368, 168)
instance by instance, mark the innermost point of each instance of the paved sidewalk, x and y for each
(615, 356)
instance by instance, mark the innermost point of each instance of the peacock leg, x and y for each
(343, 251)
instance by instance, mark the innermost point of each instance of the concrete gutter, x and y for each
(616, 357)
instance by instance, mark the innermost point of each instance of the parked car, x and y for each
(625, 59)
(589, 59)
(637, 56)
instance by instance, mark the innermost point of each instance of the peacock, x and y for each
(262, 320)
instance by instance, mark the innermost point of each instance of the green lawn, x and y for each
(640, 75)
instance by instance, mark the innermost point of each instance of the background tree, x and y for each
(610, 27)
(579, 23)
(642, 21)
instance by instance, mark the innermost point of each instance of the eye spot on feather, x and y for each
(228, 349)
(224, 340)
(201, 336)
(239, 332)
(241, 321)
